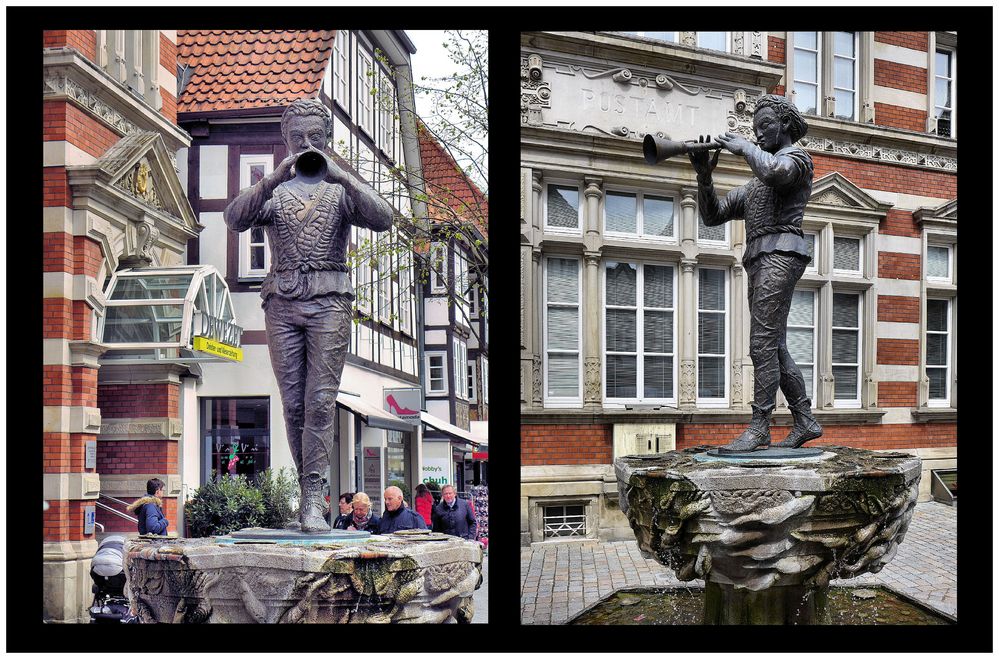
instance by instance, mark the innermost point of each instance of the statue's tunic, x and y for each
(772, 208)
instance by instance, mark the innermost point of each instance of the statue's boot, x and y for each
(805, 425)
(757, 435)
(312, 508)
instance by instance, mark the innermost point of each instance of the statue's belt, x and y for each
(309, 265)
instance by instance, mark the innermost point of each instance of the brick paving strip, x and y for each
(557, 582)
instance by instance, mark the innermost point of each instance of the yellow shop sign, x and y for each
(204, 344)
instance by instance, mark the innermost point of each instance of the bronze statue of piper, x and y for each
(772, 205)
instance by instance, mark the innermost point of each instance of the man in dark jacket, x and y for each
(398, 517)
(149, 509)
(453, 515)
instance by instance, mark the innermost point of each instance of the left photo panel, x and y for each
(266, 345)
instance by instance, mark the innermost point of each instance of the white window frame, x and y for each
(340, 71)
(578, 230)
(565, 401)
(712, 402)
(485, 379)
(365, 101)
(860, 257)
(728, 42)
(676, 35)
(471, 382)
(847, 402)
(855, 112)
(813, 265)
(818, 70)
(385, 285)
(945, 401)
(950, 265)
(406, 293)
(364, 292)
(460, 355)
(438, 279)
(710, 242)
(245, 245)
(460, 288)
(931, 96)
(815, 340)
(473, 300)
(429, 356)
(386, 115)
(640, 352)
(639, 214)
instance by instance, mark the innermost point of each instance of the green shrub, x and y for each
(280, 495)
(219, 507)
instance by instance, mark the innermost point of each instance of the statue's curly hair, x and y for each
(307, 107)
(784, 108)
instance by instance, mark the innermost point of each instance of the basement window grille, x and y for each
(565, 521)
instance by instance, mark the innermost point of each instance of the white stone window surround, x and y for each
(340, 70)
(460, 355)
(563, 401)
(714, 402)
(937, 279)
(947, 332)
(939, 230)
(863, 75)
(844, 241)
(640, 353)
(813, 265)
(941, 41)
(436, 364)
(580, 218)
(536, 515)
(850, 403)
(366, 77)
(246, 238)
(471, 382)
(640, 224)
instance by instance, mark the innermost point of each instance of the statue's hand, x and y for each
(282, 172)
(735, 143)
(334, 172)
(703, 164)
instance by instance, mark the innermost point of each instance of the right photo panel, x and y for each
(738, 328)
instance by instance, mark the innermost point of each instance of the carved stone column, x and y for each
(688, 324)
(591, 295)
(591, 332)
(527, 318)
(536, 380)
(688, 221)
(739, 324)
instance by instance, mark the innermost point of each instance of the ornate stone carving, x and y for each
(836, 517)
(738, 43)
(592, 379)
(688, 38)
(422, 578)
(536, 390)
(687, 384)
(77, 93)
(737, 380)
(757, 45)
(138, 183)
(535, 94)
(877, 153)
(833, 198)
(144, 238)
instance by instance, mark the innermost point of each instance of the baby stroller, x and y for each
(107, 571)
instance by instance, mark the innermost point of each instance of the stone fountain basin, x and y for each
(406, 577)
(763, 523)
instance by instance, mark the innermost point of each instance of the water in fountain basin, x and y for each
(685, 606)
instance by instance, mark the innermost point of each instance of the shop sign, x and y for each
(436, 466)
(218, 337)
(403, 402)
(480, 455)
(206, 345)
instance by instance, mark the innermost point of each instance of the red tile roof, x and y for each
(446, 182)
(236, 69)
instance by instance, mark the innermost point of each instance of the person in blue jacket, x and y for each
(454, 516)
(398, 516)
(149, 509)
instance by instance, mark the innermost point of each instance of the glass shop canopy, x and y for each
(155, 314)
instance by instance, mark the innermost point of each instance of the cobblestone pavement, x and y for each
(560, 581)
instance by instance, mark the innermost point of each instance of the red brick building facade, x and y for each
(883, 213)
(109, 111)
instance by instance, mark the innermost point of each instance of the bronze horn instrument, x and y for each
(310, 167)
(657, 149)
